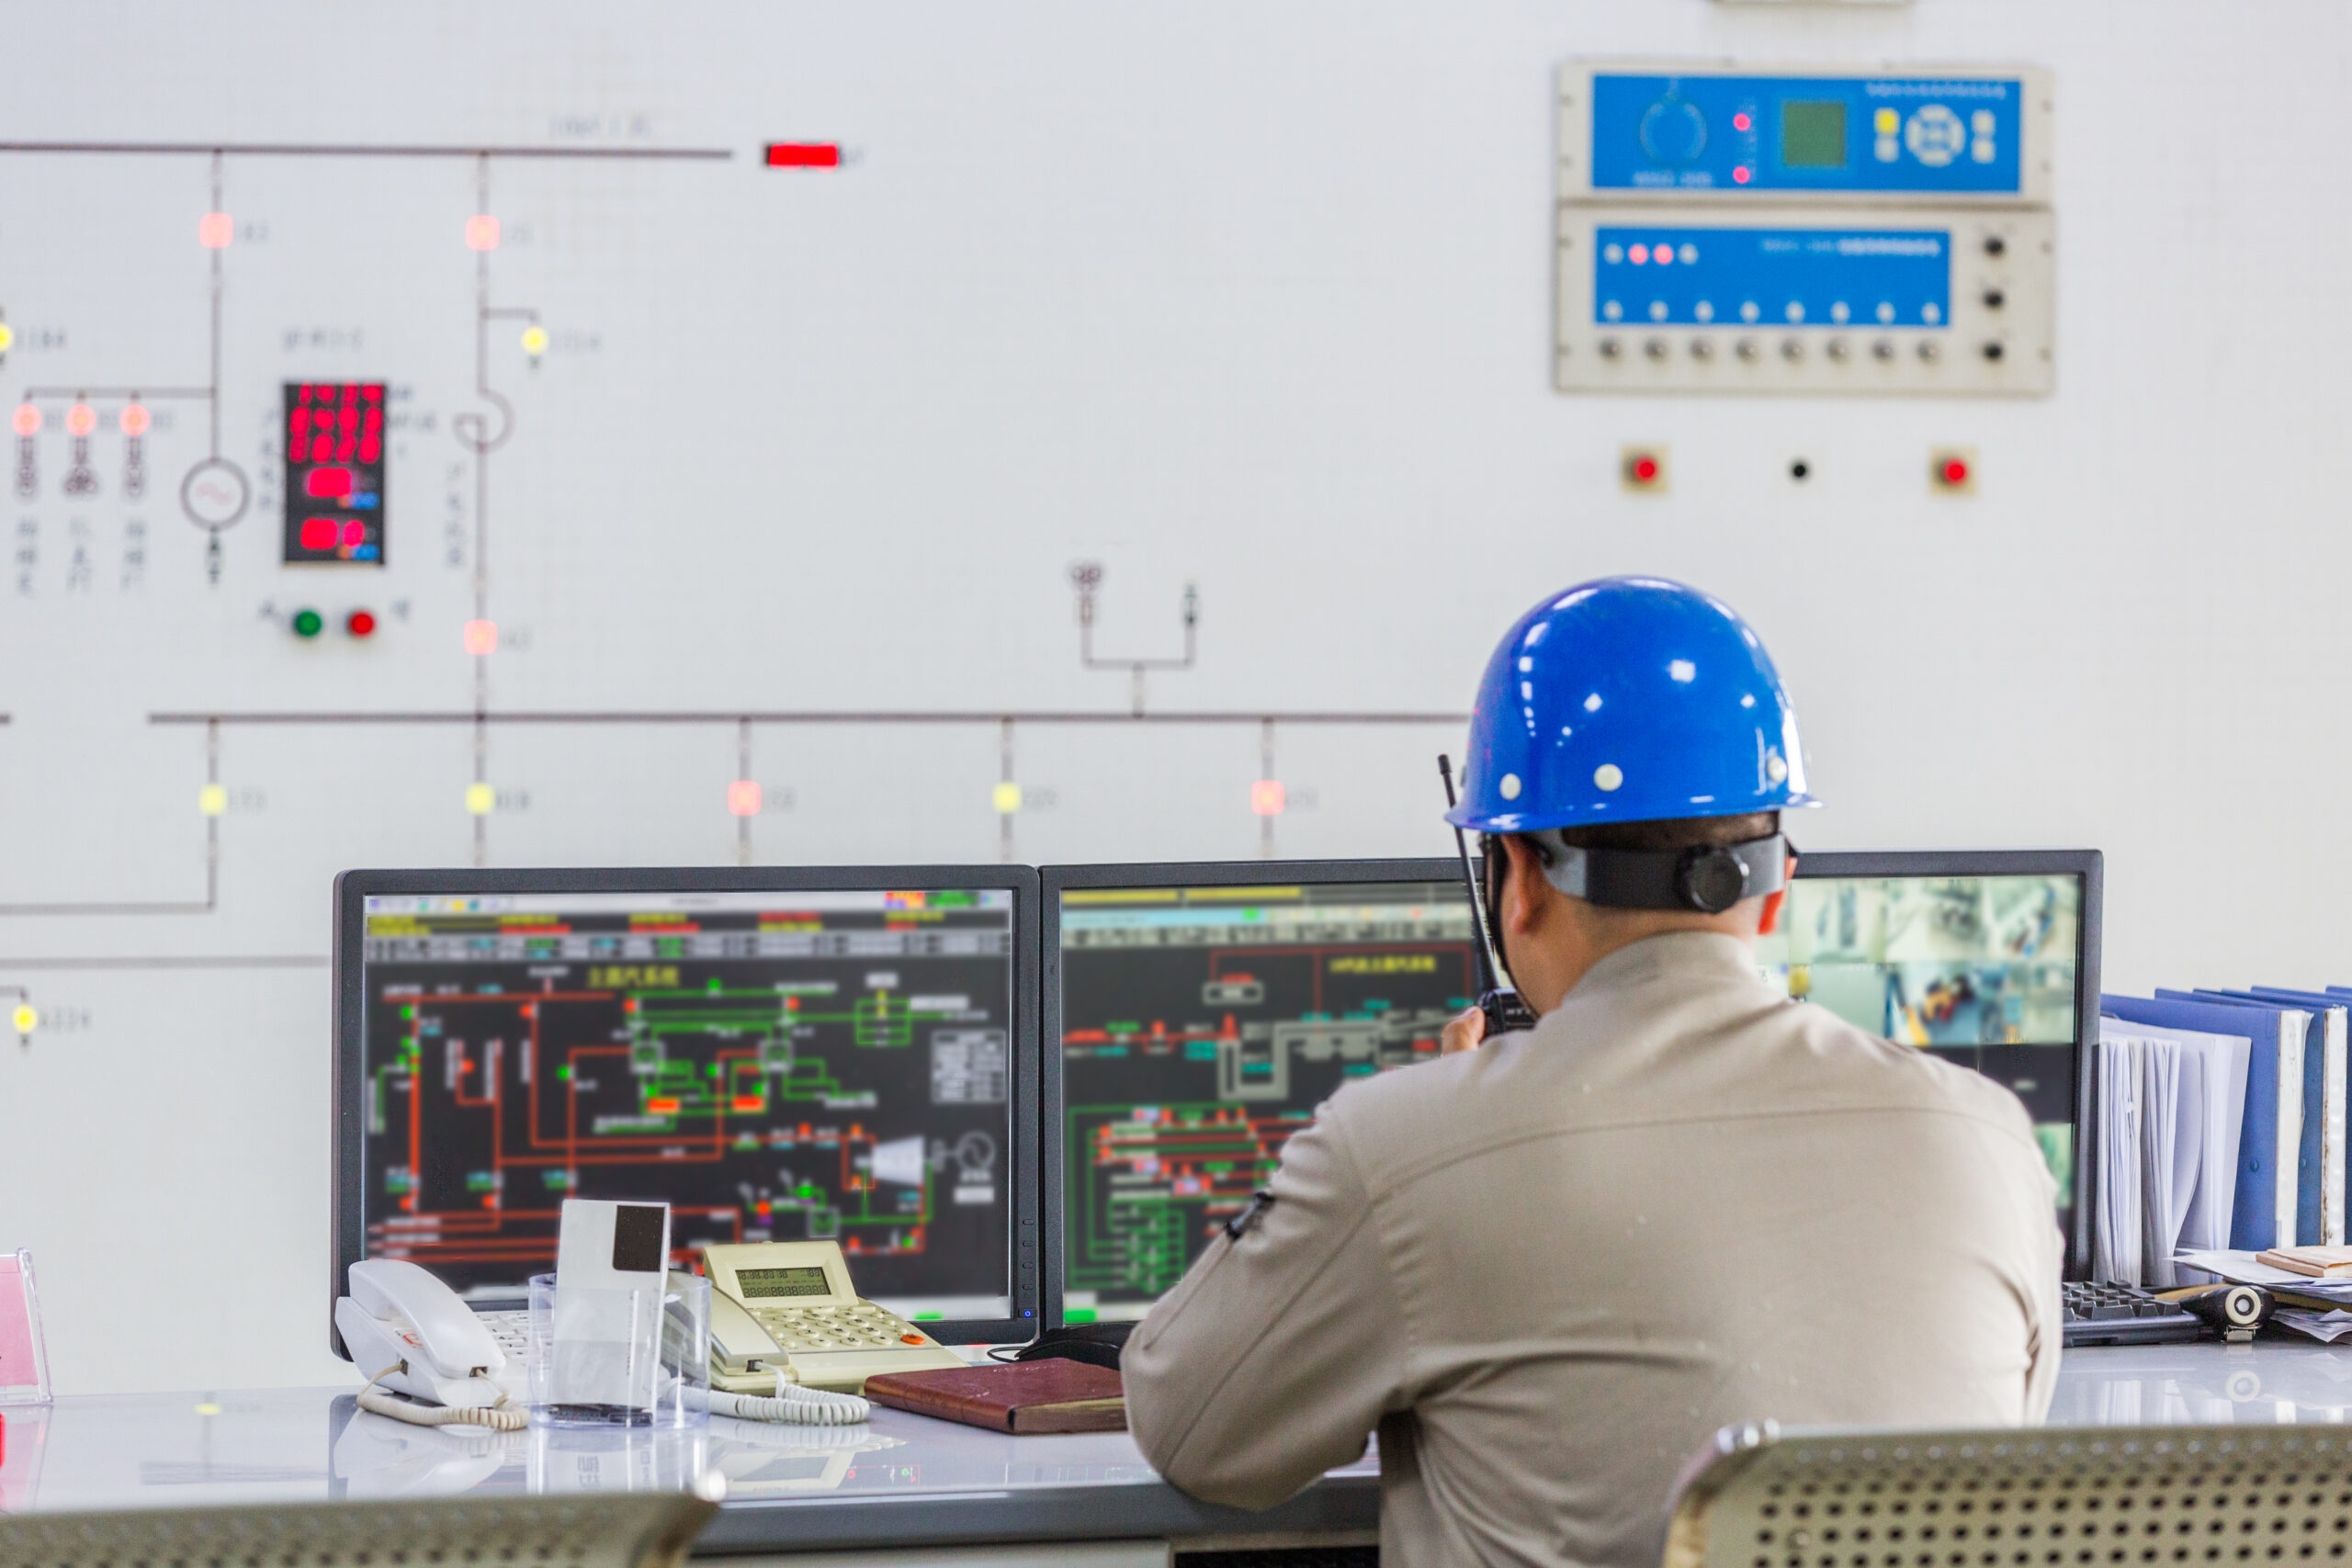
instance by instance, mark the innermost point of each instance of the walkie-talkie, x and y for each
(1503, 1009)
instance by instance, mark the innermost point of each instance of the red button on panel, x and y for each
(910, 1338)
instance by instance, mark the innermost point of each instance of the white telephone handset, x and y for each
(412, 1332)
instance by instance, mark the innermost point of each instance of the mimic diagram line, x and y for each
(211, 802)
(806, 716)
(377, 150)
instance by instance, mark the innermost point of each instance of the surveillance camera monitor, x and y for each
(844, 1055)
(1987, 958)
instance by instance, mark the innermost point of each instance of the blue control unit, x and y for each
(1730, 276)
(1810, 135)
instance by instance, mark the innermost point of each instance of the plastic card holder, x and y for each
(623, 1356)
(24, 1362)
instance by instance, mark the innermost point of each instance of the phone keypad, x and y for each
(510, 1331)
(857, 1326)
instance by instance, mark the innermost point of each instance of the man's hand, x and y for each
(1463, 1032)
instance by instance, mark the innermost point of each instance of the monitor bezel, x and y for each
(1055, 880)
(2089, 864)
(353, 888)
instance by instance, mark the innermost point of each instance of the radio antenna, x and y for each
(1489, 962)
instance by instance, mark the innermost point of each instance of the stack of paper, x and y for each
(2118, 1225)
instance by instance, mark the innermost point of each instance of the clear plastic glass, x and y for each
(620, 1358)
(24, 1358)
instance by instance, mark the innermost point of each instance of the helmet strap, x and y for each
(1704, 878)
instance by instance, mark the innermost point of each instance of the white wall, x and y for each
(1252, 295)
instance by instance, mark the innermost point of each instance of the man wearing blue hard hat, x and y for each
(1547, 1269)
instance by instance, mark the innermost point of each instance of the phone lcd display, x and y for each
(760, 1283)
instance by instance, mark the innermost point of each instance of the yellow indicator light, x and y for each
(1006, 797)
(480, 799)
(535, 340)
(25, 1018)
(1885, 122)
(7, 336)
(208, 1409)
(212, 800)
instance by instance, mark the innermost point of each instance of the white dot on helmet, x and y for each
(1682, 670)
(1777, 769)
(1525, 665)
(1592, 702)
(1509, 786)
(1749, 701)
(1608, 775)
(1526, 691)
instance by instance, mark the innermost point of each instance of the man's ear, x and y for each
(1769, 922)
(1520, 892)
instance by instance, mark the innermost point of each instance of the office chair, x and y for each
(583, 1530)
(2058, 1497)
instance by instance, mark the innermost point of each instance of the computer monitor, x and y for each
(846, 1053)
(1198, 1015)
(1194, 1016)
(1988, 958)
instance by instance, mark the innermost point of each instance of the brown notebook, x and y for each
(1021, 1397)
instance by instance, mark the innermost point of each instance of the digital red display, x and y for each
(334, 472)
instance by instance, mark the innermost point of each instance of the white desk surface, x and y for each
(898, 1478)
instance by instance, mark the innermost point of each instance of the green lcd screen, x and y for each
(1812, 135)
(759, 1284)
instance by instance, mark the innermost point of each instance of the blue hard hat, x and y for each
(1628, 699)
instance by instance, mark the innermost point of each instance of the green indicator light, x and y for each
(407, 1012)
(564, 1073)
(308, 623)
(1079, 1314)
(941, 1316)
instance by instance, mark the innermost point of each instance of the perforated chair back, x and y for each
(650, 1530)
(2068, 1497)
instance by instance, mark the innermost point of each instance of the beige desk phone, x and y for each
(788, 1307)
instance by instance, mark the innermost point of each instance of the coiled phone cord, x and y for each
(386, 1403)
(802, 1406)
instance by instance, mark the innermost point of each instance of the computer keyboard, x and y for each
(2101, 1313)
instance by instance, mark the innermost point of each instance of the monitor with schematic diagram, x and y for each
(842, 1055)
(1988, 958)
(1197, 1014)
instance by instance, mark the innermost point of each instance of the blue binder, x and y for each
(2254, 1216)
(2317, 1002)
(2311, 1169)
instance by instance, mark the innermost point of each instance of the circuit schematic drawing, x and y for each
(778, 1075)
(1197, 1042)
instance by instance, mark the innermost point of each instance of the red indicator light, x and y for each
(1741, 121)
(1739, 175)
(1645, 469)
(1638, 254)
(804, 155)
(327, 481)
(481, 637)
(1663, 255)
(355, 533)
(1266, 797)
(1954, 471)
(213, 230)
(81, 419)
(359, 623)
(743, 797)
(481, 233)
(318, 534)
(26, 419)
(135, 419)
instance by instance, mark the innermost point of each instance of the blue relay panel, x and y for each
(1810, 135)
(1684, 275)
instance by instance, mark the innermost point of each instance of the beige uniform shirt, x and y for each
(1549, 1268)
